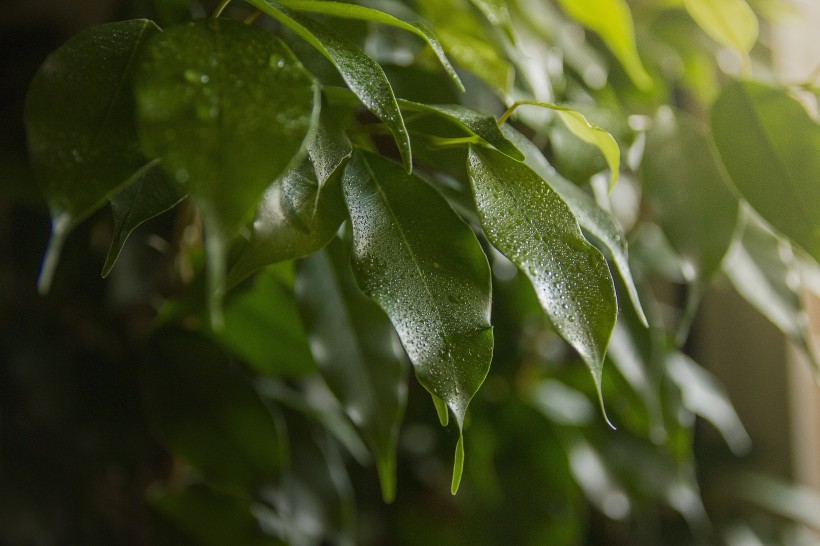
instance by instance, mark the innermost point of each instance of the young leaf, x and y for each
(362, 74)
(731, 23)
(151, 194)
(355, 346)
(612, 21)
(480, 125)
(423, 265)
(771, 149)
(352, 11)
(79, 123)
(204, 106)
(532, 226)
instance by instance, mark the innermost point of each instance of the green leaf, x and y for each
(612, 21)
(79, 123)
(208, 414)
(771, 149)
(599, 223)
(731, 23)
(689, 193)
(328, 149)
(204, 106)
(458, 464)
(352, 11)
(358, 354)
(423, 265)
(151, 194)
(531, 225)
(480, 125)
(362, 74)
(497, 13)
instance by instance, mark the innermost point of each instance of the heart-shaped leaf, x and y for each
(423, 265)
(771, 149)
(355, 346)
(204, 105)
(151, 194)
(362, 74)
(80, 128)
(530, 224)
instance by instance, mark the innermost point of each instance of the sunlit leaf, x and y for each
(151, 194)
(530, 224)
(204, 106)
(730, 22)
(418, 260)
(352, 11)
(362, 74)
(771, 149)
(79, 123)
(355, 347)
(612, 21)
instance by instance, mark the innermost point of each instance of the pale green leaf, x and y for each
(362, 74)
(771, 149)
(612, 21)
(731, 23)
(204, 106)
(497, 13)
(530, 224)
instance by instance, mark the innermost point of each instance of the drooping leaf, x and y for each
(204, 106)
(425, 268)
(81, 138)
(612, 21)
(480, 125)
(599, 223)
(352, 11)
(530, 224)
(731, 23)
(361, 73)
(151, 194)
(355, 346)
(208, 414)
(690, 194)
(771, 149)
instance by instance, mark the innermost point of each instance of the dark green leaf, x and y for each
(529, 223)
(425, 268)
(328, 149)
(205, 107)
(355, 346)
(151, 194)
(79, 122)
(361, 73)
(771, 149)
(205, 412)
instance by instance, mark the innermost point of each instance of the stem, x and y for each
(250, 19)
(60, 226)
(218, 11)
(518, 103)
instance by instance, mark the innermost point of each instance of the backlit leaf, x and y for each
(204, 106)
(771, 149)
(358, 353)
(730, 22)
(530, 224)
(79, 122)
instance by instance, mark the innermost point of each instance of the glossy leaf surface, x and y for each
(357, 352)
(79, 124)
(362, 74)
(730, 22)
(425, 268)
(771, 149)
(684, 179)
(612, 21)
(530, 224)
(151, 194)
(204, 106)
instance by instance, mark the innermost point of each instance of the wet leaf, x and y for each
(204, 106)
(418, 260)
(328, 148)
(530, 224)
(358, 353)
(729, 22)
(497, 13)
(612, 21)
(362, 74)
(151, 194)
(352, 11)
(771, 149)
(79, 123)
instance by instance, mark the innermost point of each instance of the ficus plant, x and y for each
(361, 188)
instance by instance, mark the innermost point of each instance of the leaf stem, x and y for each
(220, 8)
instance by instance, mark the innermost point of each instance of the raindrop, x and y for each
(182, 176)
(78, 158)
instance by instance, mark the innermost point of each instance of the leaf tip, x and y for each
(458, 464)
